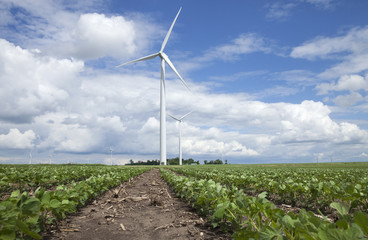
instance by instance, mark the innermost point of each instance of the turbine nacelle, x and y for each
(180, 119)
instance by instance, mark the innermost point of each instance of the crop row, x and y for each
(256, 218)
(306, 188)
(27, 177)
(25, 216)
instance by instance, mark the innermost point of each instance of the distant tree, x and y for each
(218, 161)
(173, 161)
(188, 161)
(148, 162)
(225, 161)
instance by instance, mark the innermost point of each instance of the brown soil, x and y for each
(144, 208)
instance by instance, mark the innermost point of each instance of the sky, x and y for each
(271, 81)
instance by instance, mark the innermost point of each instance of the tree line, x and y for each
(175, 161)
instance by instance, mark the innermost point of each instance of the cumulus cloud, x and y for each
(65, 31)
(97, 35)
(17, 140)
(33, 84)
(348, 100)
(346, 82)
(352, 83)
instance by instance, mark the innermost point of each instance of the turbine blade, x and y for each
(185, 115)
(140, 59)
(167, 60)
(169, 32)
(174, 117)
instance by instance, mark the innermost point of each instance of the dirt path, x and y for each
(145, 208)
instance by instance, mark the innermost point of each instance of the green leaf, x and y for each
(361, 220)
(7, 234)
(39, 192)
(54, 203)
(341, 208)
(31, 206)
(262, 195)
(45, 198)
(2, 208)
(15, 193)
(288, 222)
(24, 228)
(32, 220)
(219, 213)
(269, 233)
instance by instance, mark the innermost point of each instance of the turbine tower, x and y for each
(179, 121)
(30, 157)
(110, 155)
(164, 58)
(50, 158)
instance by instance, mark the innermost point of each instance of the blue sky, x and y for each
(272, 81)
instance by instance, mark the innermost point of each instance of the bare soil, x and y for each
(144, 208)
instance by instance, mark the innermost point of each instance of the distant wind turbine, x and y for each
(50, 157)
(110, 155)
(179, 121)
(164, 58)
(30, 157)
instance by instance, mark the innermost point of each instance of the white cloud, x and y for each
(352, 83)
(32, 84)
(297, 77)
(279, 11)
(321, 3)
(348, 100)
(325, 47)
(282, 10)
(17, 140)
(63, 30)
(242, 45)
(96, 36)
(350, 133)
(350, 50)
(218, 148)
(152, 125)
(122, 110)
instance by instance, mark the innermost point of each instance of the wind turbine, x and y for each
(30, 157)
(111, 155)
(179, 121)
(50, 157)
(164, 58)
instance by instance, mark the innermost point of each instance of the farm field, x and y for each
(272, 201)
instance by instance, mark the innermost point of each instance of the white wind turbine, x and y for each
(50, 157)
(110, 155)
(164, 58)
(30, 157)
(179, 122)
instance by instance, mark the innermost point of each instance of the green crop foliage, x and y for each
(255, 217)
(24, 216)
(310, 188)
